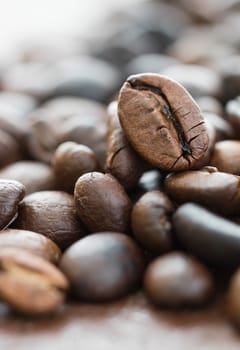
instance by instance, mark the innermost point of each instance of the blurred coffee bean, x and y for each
(151, 221)
(233, 299)
(210, 104)
(17, 104)
(102, 203)
(210, 237)
(11, 194)
(103, 266)
(122, 160)
(70, 161)
(208, 187)
(35, 176)
(198, 80)
(151, 180)
(33, 242)
(233, 114)
(222, 127)
(53, 214)
(9, 149)
(29, 284)
(226, 156)
(68, 119)
(176, 279)
(229, 69)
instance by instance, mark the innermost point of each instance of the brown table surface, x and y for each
(127, 324)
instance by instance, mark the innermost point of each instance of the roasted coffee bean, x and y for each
(210, 104)
(230, 73)
(212, 238)
(208, 187)
(103, 266)
(233, 114)
(11, 194)
(233, 299)
(29, 284)
(226, 156)
(151, 180)
(151, 223)
(9, 149)
(222, 127)
(70, 161)
(176, 279)
(35, 176)
(102, 203)
(53, 214)
(122, 161)
(33, 242)
(162, 122)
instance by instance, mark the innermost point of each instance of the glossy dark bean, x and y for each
(53, 214)
(103, 266)
(212, 238)
(162, 122)
(151, 223)
(177, 280)
(102, 203)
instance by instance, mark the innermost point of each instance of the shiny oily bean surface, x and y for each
(162, 122)
(216, 190)
(103, 266)
(11, 193)
(226, 156)
(176, 280)
(33, 242)
(29, 284)
(70, 161)
(53, 214)
(233, 300)
(210, 237)
(151, 222)
(102, 203)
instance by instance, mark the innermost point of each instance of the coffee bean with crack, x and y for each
(29, 284)
(162, 122)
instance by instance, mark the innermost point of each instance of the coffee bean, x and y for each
(102, 203)
(212, 238)
(177, 280)
(9, 150)
(226, 156)
(33, 242)
(233, 114)
(103, 266)
(162, 122)
(221, 126)
(122, 160)
(35, 176)
(70, 161)
(29, 284)
(53, 214)
(11, 194)
(233, 299)
(210, 104)
(208, 187)
(151, 223)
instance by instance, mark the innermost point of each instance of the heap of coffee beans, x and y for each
(120, 163)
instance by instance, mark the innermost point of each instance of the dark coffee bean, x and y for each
(33, 242)
(151, 180)
(70, 161)
(53, 214)
(122, 160)
(11, 194)
(230, 73)
(207, 187)
(35, 176)
(151, 223)
(233, 114)
(222, 127)
(103, 266)
(162, 122)
(9, 149)
(176, 280)
(226, 156)
(213, 238)
(233, 299)
(102, 203)
(29, 284)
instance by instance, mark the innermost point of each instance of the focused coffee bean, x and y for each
(53, 214)
(233, 114)
(233, 300)
(226, 156)
(11, 194)
(35, 176)
(122, 160)
(212, 238)
(103, 266)
(33, 242)
(208, 187)
(102, 203)
(176, 279)
(9, 150)
(70, 161)
(162, 122)
(151, 222)
(29, 284)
